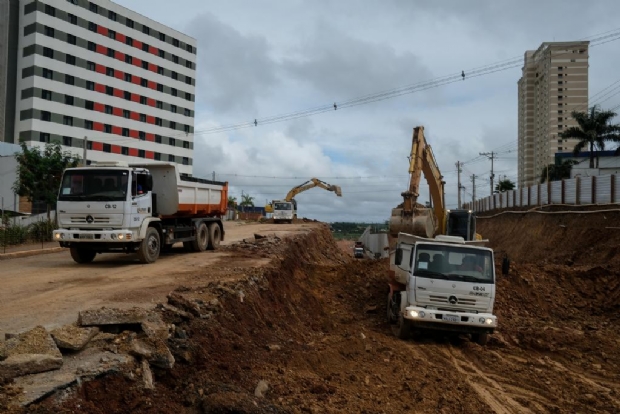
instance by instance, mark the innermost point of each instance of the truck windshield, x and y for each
(94, 185)
(453, 263)
(283, 206)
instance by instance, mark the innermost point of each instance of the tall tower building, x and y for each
(554, 83)
(97, 73)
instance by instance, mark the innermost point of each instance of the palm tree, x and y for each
(247, 201)
(504, 185)
(593, 131)
(232, 201)
(557, 172)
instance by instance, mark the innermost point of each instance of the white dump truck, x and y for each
(445, 283)
(137, 208)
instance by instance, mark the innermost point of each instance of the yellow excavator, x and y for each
(413, 218)
(286, 210)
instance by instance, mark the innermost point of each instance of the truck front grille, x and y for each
(96, 220)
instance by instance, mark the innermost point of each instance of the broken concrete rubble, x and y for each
(23, 364)
(30, 352)
(112, 316)
(154, 350)
(72, 337)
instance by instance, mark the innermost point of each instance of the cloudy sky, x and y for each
(260, 59)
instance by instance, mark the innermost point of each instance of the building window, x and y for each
(48, 74)
(111, 15)
(93, 7)
(159, 105)
(173, 91)
(142, 118)
(189, 64)
(172, 142)
(109, 71)
(129, 41)
(160, 87)
(107, 148)
(189, 48)
(128, 59)
(88, 124)
(173, 125)
(70, 59)
(188, 112)
(109, 110)
(146, 29)
(111, 52)
(186, 129)
(107, 128)
(112, 34)
(109, 90)
(188, 96)
(170, 157)
(90, 66)
(67, 141)
(162, 37)
(47, 52)
(186, 144)
(185, 161)
(188, 80)
(124, 150)
(125, 132)
(141, 153)
(162, 54)
(72, 19)
(69, 100)
(72, 40)
(144, 83)
(44, 137)
(90, 85)
(90, 105)
(49, 31)
(174, 75)
(145, 65)
(145, 47)
(157, 156)
(142, 135)
(92, 27)
(46, 116)
(69, 80)
(173, 108)
(126, 113)
(129, 23)
(127, 77)
(175, 58)
(67, 120)
(127, 95)
(158, 139)
(45, 94)
(143, 100)
(50, 10)
(92, 46)
(160, 70)
(158, 122)
(175, 42)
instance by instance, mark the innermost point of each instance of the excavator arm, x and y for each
(313, 182)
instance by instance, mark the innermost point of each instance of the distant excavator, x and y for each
(286, 210)
(412, 218)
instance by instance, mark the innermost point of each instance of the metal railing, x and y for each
(32, 234)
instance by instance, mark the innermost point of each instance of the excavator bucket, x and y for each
(337, 190)
(419, 224)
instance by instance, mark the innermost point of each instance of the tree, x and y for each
(39, 172)
(557, 172)
(247, 201)
(504, 185)
(232, 201)
(593, 131)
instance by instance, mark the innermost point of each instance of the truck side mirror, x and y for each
(505, 266)
(398, 256)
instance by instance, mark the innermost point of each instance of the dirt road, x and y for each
(50, 289)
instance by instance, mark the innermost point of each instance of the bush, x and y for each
(40, 231)
(13, 235)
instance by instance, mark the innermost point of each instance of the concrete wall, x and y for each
(8, 173)
(375, 243)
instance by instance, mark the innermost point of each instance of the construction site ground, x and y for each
(301, 328)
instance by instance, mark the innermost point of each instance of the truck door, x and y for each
(141, 199)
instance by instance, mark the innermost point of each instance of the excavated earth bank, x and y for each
(307, 334)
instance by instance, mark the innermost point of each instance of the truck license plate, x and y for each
(451, 318)
(87, 236)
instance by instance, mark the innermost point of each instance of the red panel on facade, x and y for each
(97, 126)
(152, 85)
(133, 152)
(120, 37)
(97, 146)
(150, 137)
(133, 133)
(149, 154)
(116, 130)
(117, 111)
(150, 119)
(119, 56)
(153, 50)
(137, 43)
(152, 68)
(98, 107)
(116, 149)
(119, 75)
(99, 87)
(118, 93)
(100, 69)
(150, 102)
(102, 30)
(135, 98)
(101, 49)
(136, 80)
(137, 62)
(134, 116)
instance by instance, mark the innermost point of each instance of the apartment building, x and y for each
(95, 74)
(554, 83)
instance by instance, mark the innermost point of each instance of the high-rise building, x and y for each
(554, 83)
(97, 73)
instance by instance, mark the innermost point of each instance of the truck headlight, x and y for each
(57, 236)
(121, 236)
(413, 314)
(489, 321)
(481, 320)
(422, 314)
(113, 236)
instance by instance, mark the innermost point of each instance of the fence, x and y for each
(602, 189)
(33, 231)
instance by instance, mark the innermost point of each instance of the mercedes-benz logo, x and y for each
(453, 300)
(89, 219)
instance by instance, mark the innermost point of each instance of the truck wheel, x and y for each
(200, 243)
(215, 236)
(480, 338)
(402, 328)
(82, 255)
(148, 252)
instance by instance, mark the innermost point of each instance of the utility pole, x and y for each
(458, 171)
(473, 190)
(213, 175)
(491, 155)
(84, 149)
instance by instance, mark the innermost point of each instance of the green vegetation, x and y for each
(352, 231)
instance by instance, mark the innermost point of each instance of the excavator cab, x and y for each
(461, 223)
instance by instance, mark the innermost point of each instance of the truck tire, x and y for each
(82, 255)
(215, 236)
(402, 328)
(148, 252)
(201, 242)
(480, 338)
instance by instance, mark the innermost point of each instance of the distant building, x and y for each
(8, 173)
(554, 83)
(608, 163)
(71, 69)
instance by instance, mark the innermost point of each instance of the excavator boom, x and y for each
(311, 183)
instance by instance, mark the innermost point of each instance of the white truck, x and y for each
(137, 208)
(284, 211)
(445, 283)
